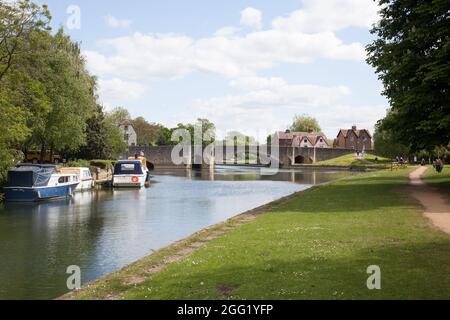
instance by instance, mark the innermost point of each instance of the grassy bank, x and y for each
(350, 161)
(316, 245)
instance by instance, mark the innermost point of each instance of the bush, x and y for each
(78, 164)
(103, 164)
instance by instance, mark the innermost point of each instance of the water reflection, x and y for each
(103, 231)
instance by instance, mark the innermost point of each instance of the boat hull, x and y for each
(17, 194)
(125, 181)
(85, 185)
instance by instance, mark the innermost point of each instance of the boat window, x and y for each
(63, 180)
(86, 174)
(127, 167)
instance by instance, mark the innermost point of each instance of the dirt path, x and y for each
(436, 206)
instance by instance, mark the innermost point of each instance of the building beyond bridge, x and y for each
(353, 138)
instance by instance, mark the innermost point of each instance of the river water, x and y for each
(102, 231)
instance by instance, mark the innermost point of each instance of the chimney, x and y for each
(354, 128)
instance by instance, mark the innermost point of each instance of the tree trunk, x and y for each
(43, 153)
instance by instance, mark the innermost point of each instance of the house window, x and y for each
(126, 128)
(321, 140)
(305, 141)
(126, 137)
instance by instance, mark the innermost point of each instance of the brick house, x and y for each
(353, 139)
(129, 134)
(302, 139)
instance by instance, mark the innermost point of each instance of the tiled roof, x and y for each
(312, 137)
(126, 123)
(357, 132)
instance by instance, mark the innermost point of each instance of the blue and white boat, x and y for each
(130, 173)
(32, 182)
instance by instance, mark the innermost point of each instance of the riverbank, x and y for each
(312, 245)
(351, 162)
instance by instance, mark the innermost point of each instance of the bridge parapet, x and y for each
(161, 156)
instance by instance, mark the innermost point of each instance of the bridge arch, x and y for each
(299, 159)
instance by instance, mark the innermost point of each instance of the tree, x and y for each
(147, 133)
(97, 146)
(118, 115)
(410, 56)
(17, 21)
(203, 126)
(240, 139)
(387, 145)
(114, 141)
(305, 123)
(69, 91)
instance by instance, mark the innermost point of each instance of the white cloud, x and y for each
(239, 54)
(114, 22)
(227, 32)
(115, 89)
(329, 15)
(251, 17)
(268, 104)
(232, 53)
(143, 56)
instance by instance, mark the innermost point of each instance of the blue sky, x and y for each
(246, 65)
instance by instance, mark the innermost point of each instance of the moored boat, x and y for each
(84, 177)
(32, 182)
(130, 173)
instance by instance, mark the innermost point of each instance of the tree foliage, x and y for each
(387, 144)
(147, 133)
(411, 56)
(305, 123)
(18, 20)
(46, 94)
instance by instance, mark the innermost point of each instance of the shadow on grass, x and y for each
(408, 271)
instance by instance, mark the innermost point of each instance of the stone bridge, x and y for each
(161, 156)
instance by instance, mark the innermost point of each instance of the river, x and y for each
(102, 231)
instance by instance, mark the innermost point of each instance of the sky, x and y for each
(248, 66)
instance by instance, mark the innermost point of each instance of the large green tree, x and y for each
(147, 133)
(305, 123)
(387, 144)
(56, 68)
(19, 19)
(411, 56)
(19, 22)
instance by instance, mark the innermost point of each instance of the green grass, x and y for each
(316, 246)
(350, 160)
(440, 180)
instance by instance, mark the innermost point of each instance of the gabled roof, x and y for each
(345, 132)
(126, 123)
(312, 137)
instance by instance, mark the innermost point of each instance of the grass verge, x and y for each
(314, 245)
(350, 161)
